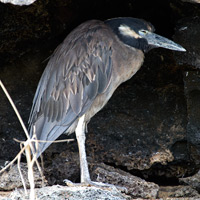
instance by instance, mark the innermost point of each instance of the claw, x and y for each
(96, 184)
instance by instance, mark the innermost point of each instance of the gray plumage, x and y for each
(79, 70)
(83, 73)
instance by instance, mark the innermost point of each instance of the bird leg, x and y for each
(80, 136)
(85, 175)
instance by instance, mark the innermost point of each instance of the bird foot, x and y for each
(95, 184)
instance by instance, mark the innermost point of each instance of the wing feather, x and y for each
(79, 70)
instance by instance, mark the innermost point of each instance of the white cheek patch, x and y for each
(127, 31)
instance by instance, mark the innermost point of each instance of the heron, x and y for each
(83, 73)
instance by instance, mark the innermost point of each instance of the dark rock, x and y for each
(192, 181)
(19, 78)
(27, 27)
(10, 179)
(144, 128)
(187, 34)
(178, 192)
(136, 187)
(64, 166)
(192, 92)
(144, 119)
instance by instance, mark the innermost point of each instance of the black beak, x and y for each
(155, 40)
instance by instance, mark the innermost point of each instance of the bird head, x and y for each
(140, 34)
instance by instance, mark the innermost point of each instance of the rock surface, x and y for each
(133, 186)
(192, 1)
(192, 92)
(136, 187)
(187, 34)
(193, 181)
(19, 2)
(24, 28)
(70, 193)
(146, 129)
(178, 192)
(10, 179)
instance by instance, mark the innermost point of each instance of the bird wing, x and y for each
(78, 71)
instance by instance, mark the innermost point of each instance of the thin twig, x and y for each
(28, 145)
(35, 156)
(20, 173)
(15, 109)
(30, 172)
(11, 162)
(17, 113)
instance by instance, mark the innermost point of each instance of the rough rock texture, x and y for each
(66, 166)
(192, 92)
(149, 127)
(10, 179)
(63, 166)
(178, 192)
(23, 28)
(19, 2)
(192, 1)
(193, 181)
(148, 120)
(188, 33)
(133, 186)
(136, 187)
(70, 193)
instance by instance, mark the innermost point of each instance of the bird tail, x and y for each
(45, 132)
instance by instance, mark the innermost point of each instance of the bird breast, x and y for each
(125, 65)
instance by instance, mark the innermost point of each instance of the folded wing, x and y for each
(78, 71)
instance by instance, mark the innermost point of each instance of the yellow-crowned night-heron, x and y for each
(82, 74)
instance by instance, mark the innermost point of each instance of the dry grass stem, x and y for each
(26, 148)
(30, 152)
(20, 173)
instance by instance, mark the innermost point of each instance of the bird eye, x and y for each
(143, 32)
